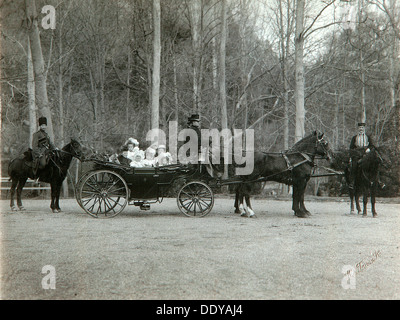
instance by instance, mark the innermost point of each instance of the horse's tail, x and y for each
(9, 170)
(12, 170)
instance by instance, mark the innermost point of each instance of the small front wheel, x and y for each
(195, 199)
(103, 194)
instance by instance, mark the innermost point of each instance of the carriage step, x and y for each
(145, 206)
(141, 204)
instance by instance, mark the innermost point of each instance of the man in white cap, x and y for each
(361, 141)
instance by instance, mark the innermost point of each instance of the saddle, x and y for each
(30, 159)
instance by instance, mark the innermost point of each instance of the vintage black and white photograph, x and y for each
(200, 150)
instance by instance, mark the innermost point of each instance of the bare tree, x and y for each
(40, 72)
(195, 13)
(155, 93)
(299, 70)
(31, 95)
(222, 78)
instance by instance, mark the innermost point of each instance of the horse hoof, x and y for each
(352, 212)
(375, 215)
(253, 216)
(22, 209)
(301, 215)
(244, 214)
(14, 209)
(237, 211)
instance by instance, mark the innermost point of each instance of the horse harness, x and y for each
(55, 151)
(290, 167)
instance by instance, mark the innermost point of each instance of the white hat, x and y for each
(133, 140)
(161, 146)
(151, 150)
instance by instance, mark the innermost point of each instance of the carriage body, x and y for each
(105, 188)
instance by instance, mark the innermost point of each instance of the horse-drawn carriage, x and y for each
(107, 188)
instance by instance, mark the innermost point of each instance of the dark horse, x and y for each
(366, 180)
(293, 167)
(20, 169)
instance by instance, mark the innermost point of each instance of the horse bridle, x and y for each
(318, 142)
(73, 154)
(323, 143)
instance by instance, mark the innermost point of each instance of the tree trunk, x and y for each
(176, 100)
(195, 15)
(285, 53)
(155, 92)
(128, 90)
(61, 103)
(42, 100)
(299, 67)
(31, 96)
(222, 88)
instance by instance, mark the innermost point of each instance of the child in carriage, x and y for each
(133, 147)
(123, 157)
(150, 154)
(138, 158)
(163, 158)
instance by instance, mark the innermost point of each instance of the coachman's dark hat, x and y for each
(194, 117)
(361, 124)
(42, 120)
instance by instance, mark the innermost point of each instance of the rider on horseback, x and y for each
(41, 146)
(360, 145)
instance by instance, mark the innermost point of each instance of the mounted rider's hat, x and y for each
(42, 120)
(193, 117)
(361, 124)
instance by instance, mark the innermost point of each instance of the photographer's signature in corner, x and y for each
(364, 263)
(349, 280)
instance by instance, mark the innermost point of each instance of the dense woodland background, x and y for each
(112, 69)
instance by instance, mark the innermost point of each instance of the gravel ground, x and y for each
(160, 254)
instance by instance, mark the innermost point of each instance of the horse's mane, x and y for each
(28, 155)
(68, 145)
(303, 141)
(68, 150)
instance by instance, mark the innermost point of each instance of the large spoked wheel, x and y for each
(78, 187)
(103, 194)
(195, 199)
